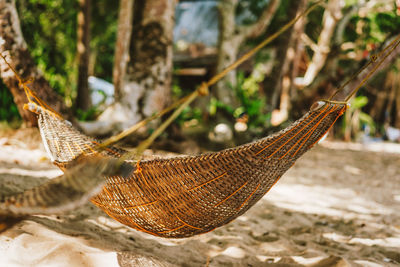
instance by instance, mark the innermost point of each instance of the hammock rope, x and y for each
(392, 46)
(378, 58)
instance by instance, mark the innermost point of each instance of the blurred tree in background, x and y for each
(304, 64)
(233, 34)
(83, 52)
(14, 47)
(143, 71)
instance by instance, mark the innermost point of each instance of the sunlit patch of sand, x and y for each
(340, 202)
(38, 246)
(307, 261)
(372, 146)
(383, 242)
(368, 263)
(13, 154)
(32, 173)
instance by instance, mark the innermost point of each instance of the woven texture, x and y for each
(185, 196)
(66, 192)
(63, 142)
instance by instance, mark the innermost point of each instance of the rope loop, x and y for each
(374, 58)
(203, 90)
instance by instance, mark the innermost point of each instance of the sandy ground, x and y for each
(335, 207)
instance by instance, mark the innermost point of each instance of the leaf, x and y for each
(359, 102)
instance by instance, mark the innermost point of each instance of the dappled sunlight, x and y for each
(387, 147)
(15, 154)
(32, 173)
(233, 252)
(55, 250)
(272, 248)
(368, 263)
(315, 199)
(383, 242)
(307, 261)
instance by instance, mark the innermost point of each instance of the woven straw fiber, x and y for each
(63, 142)
(185, 196)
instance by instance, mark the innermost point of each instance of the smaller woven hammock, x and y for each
(185, 196)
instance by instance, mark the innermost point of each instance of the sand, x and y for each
(338, 206)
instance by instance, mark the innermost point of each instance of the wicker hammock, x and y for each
(182, 196)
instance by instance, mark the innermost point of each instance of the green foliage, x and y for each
(387, 22)
(88, 115)
(365, 32)
(356, 105)
(248, 93)
(216, 105)
(8, 110)
(355, 119)
(373, 27)
(191, 116)
(49, 28)
(103, 33)
(314, 26)
(176, 89)
(250, 102)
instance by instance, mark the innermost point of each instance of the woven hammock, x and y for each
(175, 197)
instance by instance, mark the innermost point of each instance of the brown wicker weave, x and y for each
(83, 180)
(185, 196)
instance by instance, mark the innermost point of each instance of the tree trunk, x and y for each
(13, 46)
(384, 101)
(231, 37)
(121, 56)
(228, 47)
(299, 49)
(83, 97)
(397, 104)
(146, 87)
(331, 16)
(280, 81)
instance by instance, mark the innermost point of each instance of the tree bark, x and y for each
(396, 122)
(146, 87)
(13, 46)
(231, 37)
(299, 49)
(83, 45)
(284, 79)
(121, 56)
(228, 46)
